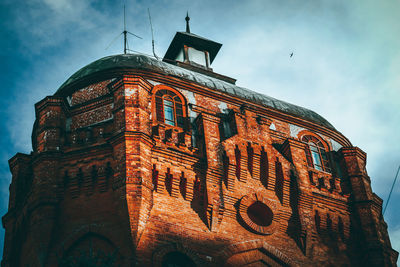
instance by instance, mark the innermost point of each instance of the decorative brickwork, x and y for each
(209, 176)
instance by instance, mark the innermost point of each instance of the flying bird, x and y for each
(291, 54)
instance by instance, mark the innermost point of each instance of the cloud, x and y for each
(53, 23)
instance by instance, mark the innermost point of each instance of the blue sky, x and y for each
(346, 63)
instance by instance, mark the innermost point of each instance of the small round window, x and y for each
(257, 212)
(260, 213)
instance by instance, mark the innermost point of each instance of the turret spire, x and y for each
(187, 22)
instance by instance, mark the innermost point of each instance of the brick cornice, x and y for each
(46, 155)
(48, 101)
(88, 151)
(136, 80)
(202, 110)
(18, 158)
(291, 142)
(353, 152)
(331, 200)
(210, 117)
(133, 135)
(91, 104)
(208, 92)
(262, 110)
(8, 217)
(176, 154)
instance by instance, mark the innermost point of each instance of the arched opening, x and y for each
(177, 259)
(316, 155)
(92, 250)
(253, 253)
(169, 108)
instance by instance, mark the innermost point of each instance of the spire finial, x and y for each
(187, 22)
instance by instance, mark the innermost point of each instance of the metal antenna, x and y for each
(391, 189)
(152, 34)
(125, 32)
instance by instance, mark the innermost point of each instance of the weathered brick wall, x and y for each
(90, 92)
(91, 117)
(104, 171)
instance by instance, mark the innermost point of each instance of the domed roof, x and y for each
(108, 67)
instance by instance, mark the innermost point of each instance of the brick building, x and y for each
(167, 163)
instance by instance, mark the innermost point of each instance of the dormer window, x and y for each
(316, 153)
(169, 108)
(198, 57)
(193, 56)
(191, 50)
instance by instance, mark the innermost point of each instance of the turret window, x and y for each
(316, 153)
(169, 108)
(169, 116)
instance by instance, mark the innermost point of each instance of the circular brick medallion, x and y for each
(258, 213)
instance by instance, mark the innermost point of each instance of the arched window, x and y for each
(316, 153)
(169, 108)
(92, 250)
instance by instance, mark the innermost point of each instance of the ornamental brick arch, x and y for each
(161, 252)
(257, 252)
(98, 232)
(92, 248)
(303, 133)
(316, 150)
(176, 97)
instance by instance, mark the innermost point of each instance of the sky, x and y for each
(345, 64)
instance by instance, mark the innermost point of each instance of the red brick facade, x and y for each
(107, 181)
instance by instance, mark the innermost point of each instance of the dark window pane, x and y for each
(169, 109)
(159, 110)
(168, 103)
(180, 121)
(179, 112)
(177, 99)
(226, 128)
(169, 115)
(316, 160)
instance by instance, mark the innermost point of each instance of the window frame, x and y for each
(316, 153)
(162, 94)
(188, 59)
